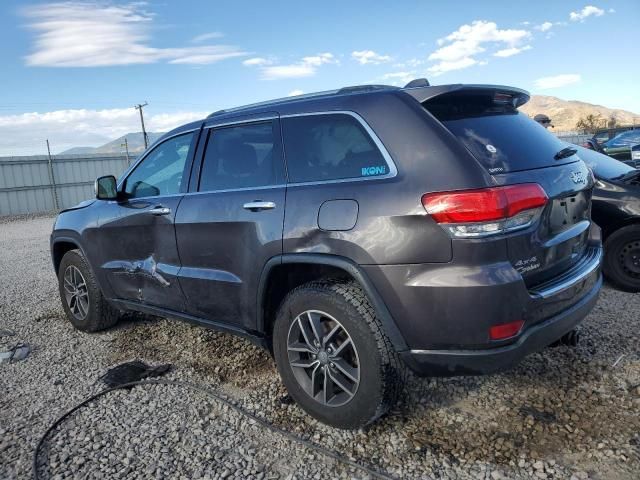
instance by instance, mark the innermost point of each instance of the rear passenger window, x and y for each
(241, 156)
(329, 147)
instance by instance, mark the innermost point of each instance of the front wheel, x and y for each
(622, 258)
(82, 300)
(333, 355)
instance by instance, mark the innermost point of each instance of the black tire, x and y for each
(622, 258)
(99, 313)
(382, 373)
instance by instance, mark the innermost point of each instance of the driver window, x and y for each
(160, 173)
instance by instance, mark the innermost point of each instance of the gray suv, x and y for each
(357, 234)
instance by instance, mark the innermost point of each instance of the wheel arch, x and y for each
(612, 228)
(59, 247)
(284, 272)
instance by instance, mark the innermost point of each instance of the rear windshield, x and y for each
(500, 137)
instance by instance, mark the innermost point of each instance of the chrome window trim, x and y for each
(144, 155)
(246, 121)
(393, 170)
(243, 189)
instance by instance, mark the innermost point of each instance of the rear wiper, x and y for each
(565, 152)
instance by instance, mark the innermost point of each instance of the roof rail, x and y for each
(418, 82)
(217, 112)
(295, 98)
(364, 88)
(275, 101)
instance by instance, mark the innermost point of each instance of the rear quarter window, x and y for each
(325, 147)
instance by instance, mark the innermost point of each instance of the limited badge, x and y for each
(492, 149)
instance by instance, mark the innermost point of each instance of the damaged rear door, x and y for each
(139, 243)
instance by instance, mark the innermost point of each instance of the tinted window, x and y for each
(160, 173)
(500, 137)
(240, 157)
(627, 138)
(329, 147)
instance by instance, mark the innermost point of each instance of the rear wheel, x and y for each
(82, 300)
(333, 355)
(622, 258)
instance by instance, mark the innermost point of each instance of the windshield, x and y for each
(631, 137)
(500, 137)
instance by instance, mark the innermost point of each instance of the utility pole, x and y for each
(126, 149)
(52, 179)
(139, 107)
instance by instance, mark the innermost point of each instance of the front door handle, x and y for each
(258, 205)
(159, 210)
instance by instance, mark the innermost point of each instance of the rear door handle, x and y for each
(259, 205)
(159, 210)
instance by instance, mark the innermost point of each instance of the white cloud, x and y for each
(251, 62)
(557, 81)
(207, 36)
(586, 12)
(459, 49)
(545, 26)
(295, 93)
(509, 52)
(97, 34)
(26, 133)
(399, 78)
(306, 67)
(369, 56)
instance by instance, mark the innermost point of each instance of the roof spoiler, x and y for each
(513, 95)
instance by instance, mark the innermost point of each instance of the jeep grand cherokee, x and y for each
(355, 233)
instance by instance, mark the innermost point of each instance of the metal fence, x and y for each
(40, 183)
(573, 137)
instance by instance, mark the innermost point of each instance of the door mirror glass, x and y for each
(106, 188)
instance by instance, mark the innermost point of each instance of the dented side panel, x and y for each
(139, 253)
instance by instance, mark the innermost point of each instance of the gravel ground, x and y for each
(562, 413)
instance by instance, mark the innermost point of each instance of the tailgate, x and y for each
(516, 150)
(560, 239)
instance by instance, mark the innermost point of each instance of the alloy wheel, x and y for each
(76, 293)
(323, 358)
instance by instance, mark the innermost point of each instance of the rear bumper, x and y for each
(481, 361)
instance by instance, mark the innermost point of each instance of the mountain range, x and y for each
(565, 114)
(135, 142)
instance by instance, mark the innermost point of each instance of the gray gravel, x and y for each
(563, 413)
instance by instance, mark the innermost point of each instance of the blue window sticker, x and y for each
(376, 170)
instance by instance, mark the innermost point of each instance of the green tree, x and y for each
(590, 123)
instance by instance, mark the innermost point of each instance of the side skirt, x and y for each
(252, 336)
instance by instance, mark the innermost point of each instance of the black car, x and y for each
(616, 209)
(355, 233)
(624, 147)
(604, 134)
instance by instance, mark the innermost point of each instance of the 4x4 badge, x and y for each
(578, 177)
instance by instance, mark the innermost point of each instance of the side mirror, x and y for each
(106, 188)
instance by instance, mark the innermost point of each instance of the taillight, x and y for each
(487, 211)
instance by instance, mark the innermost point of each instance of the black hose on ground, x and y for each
(220, 398)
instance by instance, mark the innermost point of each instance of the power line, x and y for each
(139, 107)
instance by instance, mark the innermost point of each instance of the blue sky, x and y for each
(72, 70)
